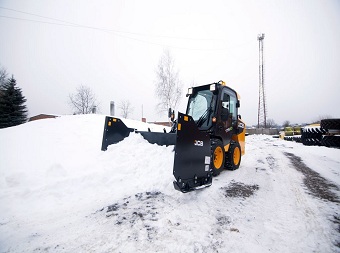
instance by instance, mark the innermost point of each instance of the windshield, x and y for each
(199, 105)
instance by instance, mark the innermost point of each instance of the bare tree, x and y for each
(318, 119)
(83, 101)
(126, 108)
(271, 123)
(168, 86)
(3, 76)
(286, 123)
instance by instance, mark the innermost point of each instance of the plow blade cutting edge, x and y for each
(115, 131)
(192, 156)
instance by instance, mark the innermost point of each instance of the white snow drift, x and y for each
(60, 193)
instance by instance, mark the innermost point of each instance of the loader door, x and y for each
(225, 110)
(233, 110)
(228, 116)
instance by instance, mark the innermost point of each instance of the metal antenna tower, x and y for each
(261, 114)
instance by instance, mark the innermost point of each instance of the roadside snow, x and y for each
(60, 193)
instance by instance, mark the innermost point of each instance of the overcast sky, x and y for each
(51, 47)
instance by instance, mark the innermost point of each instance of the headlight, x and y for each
(189, 91)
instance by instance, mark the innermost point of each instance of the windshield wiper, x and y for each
(204, 117)
(206, 114)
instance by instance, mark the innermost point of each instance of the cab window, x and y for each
(200, 107)
(229, 102)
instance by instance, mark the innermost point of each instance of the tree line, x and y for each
(13, 109)
(168, 91)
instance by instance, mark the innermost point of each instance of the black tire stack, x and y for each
(312, 136)
(327, 134)
(332, 139)
(296, 138)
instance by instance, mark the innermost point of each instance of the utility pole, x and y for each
(261, 114)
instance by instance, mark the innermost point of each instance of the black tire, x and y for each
(311, 142)
(288, 138)
(233, 156)
(330, 124)
(297, 138)
(217, 156)
(331, 141)
(312, 135)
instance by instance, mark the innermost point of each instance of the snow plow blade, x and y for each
(159, 138)
(192, 156)
(115, 131)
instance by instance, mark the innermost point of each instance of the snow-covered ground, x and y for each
(60, 193)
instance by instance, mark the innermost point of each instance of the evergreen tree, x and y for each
(13, 110)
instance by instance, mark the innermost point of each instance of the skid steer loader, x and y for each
(210, 137)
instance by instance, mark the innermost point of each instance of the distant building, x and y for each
(42, 116)
(165, 123)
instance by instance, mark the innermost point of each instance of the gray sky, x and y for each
(114, 48)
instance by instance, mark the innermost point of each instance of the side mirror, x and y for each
(169, 113)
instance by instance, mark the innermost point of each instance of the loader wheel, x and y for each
(218, 157)
(233, 158)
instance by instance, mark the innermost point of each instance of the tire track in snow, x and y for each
(153, 219)
(318, 187)
(289, 213)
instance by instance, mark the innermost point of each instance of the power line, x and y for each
(117, 32)
(123, 36)
(36, 15)
(38, 21)
(96, 28)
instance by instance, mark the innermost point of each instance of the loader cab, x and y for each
(213, 105)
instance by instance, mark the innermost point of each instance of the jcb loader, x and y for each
(210, 137)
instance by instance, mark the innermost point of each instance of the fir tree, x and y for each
(13, 110)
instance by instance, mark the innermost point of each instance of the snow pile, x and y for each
(141, 126)
(60, 193)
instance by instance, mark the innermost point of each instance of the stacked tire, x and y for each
(332, 126)
(296, 138)
(327, 134)
(312, 136)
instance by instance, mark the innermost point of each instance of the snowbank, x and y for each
(60, 193)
